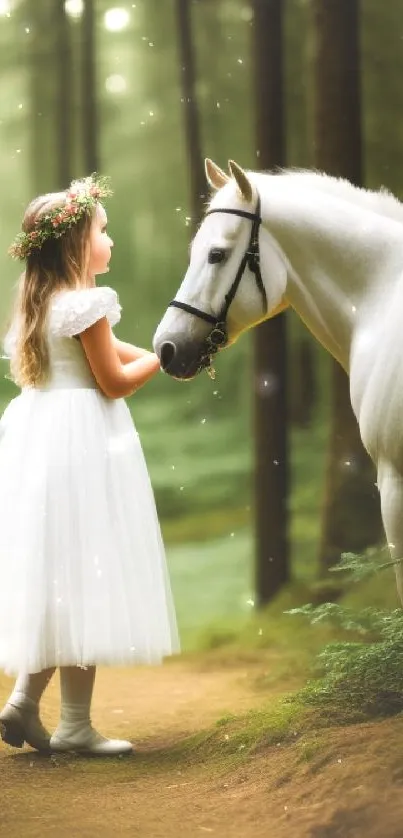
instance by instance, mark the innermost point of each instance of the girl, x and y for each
(83, 578)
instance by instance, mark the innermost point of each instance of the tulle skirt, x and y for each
(83, 577)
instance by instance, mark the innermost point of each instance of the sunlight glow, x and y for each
(116, 19)
(247, 14)
(5, 7)
(74, 8)
(116, 84)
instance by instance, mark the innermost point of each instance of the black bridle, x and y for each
(250, 259)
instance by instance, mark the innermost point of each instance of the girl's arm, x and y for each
(127, 352)
(114, 378)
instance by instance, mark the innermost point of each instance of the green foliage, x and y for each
(360, 676)
(362, 566)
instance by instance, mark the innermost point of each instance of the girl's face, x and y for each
(100, 244)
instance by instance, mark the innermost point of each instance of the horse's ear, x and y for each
(215, 176)
(242, 180)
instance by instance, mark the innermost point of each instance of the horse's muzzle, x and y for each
(181, 362)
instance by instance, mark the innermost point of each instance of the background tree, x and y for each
(303, 392)
(303, 350)
(270, 338)
(187, 70)
(40, 18)
(88, 111)
(63, 94)
(351, 514)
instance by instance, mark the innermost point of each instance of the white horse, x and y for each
(334, 253)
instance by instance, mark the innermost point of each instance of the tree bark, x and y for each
(64, 95)
(89, 115)
(351, 513)
(190, 111)
(303, 395)
(41, 95)
(270, 338)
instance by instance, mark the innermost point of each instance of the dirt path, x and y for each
(339, 783)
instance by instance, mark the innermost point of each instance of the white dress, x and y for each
(83, 577)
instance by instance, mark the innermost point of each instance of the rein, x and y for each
(250, 259)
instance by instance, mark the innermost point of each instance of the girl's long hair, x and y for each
(60, 263)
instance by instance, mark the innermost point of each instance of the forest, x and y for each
(259, 498)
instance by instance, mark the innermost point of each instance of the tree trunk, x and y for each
(64, 95)
(351, 512)
(303, 396)
(270, 344)
(190, 111)
(89, 117)
(41, 95)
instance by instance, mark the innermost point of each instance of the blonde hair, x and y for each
(59, 263)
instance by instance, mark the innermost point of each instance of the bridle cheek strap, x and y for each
(251, 258)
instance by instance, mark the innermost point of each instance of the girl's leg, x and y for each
(76, 687)
(19, 719)
(28, 689)
(75, 732)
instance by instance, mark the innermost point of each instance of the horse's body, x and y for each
(335, 254)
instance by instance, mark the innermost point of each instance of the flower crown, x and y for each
(81, 199)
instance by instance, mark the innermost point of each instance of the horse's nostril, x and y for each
(167, 354)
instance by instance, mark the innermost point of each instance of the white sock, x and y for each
(29, 688)
(76, 686)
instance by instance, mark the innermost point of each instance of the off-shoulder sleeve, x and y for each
(74, 311)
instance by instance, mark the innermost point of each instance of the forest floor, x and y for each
(213, 756)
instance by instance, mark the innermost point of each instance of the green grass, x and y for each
(211, 582)
(211, 550)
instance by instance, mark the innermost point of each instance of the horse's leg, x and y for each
(390, 483)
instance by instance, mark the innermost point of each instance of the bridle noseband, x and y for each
(250, 259)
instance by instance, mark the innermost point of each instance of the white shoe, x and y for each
(83, 739)
(19, 725)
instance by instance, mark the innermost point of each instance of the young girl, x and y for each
(83, 578)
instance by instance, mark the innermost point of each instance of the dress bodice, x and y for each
(69, 314)
(69, 366)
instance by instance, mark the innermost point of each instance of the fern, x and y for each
(362, 676)
(360, 566)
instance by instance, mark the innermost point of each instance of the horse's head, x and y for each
(223, 292)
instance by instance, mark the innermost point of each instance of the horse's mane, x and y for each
(381, 202)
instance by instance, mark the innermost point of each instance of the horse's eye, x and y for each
(217, 254)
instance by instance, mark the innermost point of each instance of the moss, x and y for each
(309, 747)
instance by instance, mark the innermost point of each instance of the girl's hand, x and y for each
(127, 351)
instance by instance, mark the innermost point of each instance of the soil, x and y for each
(338, 782)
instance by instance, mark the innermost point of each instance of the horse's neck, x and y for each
(337, 253)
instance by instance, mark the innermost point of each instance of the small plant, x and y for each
(364, 675)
